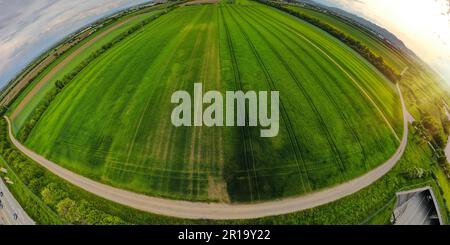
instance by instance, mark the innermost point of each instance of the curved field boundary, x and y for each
(61, 65)
(365, 93)
(220, 211)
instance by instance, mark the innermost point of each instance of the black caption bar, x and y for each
(218, 234)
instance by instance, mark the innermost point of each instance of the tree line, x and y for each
(66, 203)
(361, 49)
(431, 131)
(60, 84)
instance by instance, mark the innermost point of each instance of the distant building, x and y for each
(416, 207)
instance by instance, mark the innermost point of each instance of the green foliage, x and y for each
(351, 210)
(60, 84)
(416, 173)
(28, 184)
(42, 194)
(52, 194)
(68, 209)
(392, 56)
(431, 131)
(121, 99)
(360, 48)
(3, 110)
(373, 203)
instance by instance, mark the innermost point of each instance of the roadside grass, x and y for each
(29, 201)
(425, 93)
(49, 199)
(424, 89)
(444, 184)
(330, 131)
(372, 205)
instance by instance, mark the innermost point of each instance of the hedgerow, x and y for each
(57, 201)
(361, 49)
(61, 84)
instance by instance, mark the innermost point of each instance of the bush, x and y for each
(52, 194)
(416, 173)
(68, 209)
(54, 200)
(3, 110)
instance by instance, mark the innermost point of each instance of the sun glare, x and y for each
(423, 25)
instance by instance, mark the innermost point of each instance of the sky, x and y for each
(423, 25)
(30, 27)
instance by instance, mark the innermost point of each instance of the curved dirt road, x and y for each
(199, 210)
